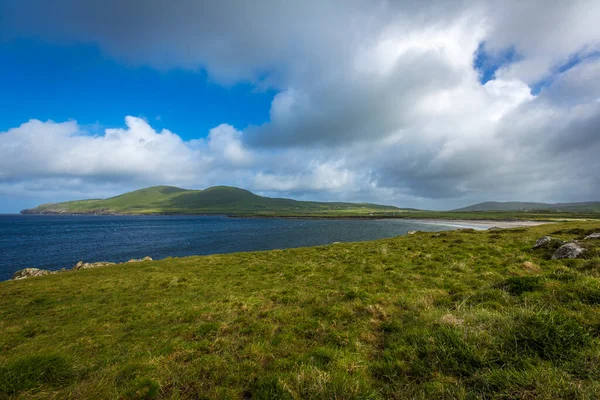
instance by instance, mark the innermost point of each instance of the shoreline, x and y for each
(441, 224)
(480, 223)
(509, 222)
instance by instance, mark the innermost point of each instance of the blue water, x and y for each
(54, 242)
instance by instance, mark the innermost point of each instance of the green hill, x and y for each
(214, 200)
(591, 206)
(451, 315)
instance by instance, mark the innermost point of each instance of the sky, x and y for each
(433, 104)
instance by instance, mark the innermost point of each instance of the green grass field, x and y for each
(431, 316)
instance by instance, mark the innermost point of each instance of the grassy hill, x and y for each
(214, 200)
(586, 207)
(432, 316)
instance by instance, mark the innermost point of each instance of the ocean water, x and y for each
(55, 242)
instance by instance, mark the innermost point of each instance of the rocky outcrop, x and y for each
(547, 242)
(81, 265)
(30, 273)
(569, 250)
(37, 211)
(147, 258)
(595, 235)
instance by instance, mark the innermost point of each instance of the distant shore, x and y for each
(461, 222)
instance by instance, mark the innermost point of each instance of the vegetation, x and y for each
(459, 314)
(214, 200)
(238, 202)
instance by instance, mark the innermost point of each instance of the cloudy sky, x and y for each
(429, 104)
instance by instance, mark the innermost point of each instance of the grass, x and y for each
(238, 202)
(214, 200)
(429, 316)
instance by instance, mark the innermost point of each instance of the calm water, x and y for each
(54, 242)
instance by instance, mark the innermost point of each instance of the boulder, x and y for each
(411, 232)
(147, 258)
(81, 265)
(547, 241)
(29, 273)
(569, 250)
(595, 235)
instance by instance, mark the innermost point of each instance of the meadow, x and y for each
(453, 315)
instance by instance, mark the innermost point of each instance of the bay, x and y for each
(55, 242)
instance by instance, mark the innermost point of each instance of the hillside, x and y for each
(448, 315)
(214, 200)
(592, 206)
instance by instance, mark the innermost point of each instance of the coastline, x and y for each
(480, 223)
(459, 222)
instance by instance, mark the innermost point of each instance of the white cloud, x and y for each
(375, 101)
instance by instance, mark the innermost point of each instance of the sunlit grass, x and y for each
(450, 315)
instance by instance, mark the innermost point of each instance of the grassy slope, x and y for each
(234, 201)
(216, 200)
(459, 315)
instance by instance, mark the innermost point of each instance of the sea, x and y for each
(55, 242)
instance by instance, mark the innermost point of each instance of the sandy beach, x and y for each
(479, 224)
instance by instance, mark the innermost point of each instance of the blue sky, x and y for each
(57, 82)
(432, 105)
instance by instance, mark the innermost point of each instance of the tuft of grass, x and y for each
(549, 335)
(517, 285)
(33, 372)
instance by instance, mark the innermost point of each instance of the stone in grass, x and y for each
(30, 273)
(147, 258)
(595, 235)
(569, 250)
(81, 265)
(546, 241)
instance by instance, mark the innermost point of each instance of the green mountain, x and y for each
(591, 206)
(214, 200)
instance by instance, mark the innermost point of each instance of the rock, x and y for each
(546, 241)
(81, 265)
(411, 232)
(595, 235)
(569, 250)
(147, 258)
(29, 273)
